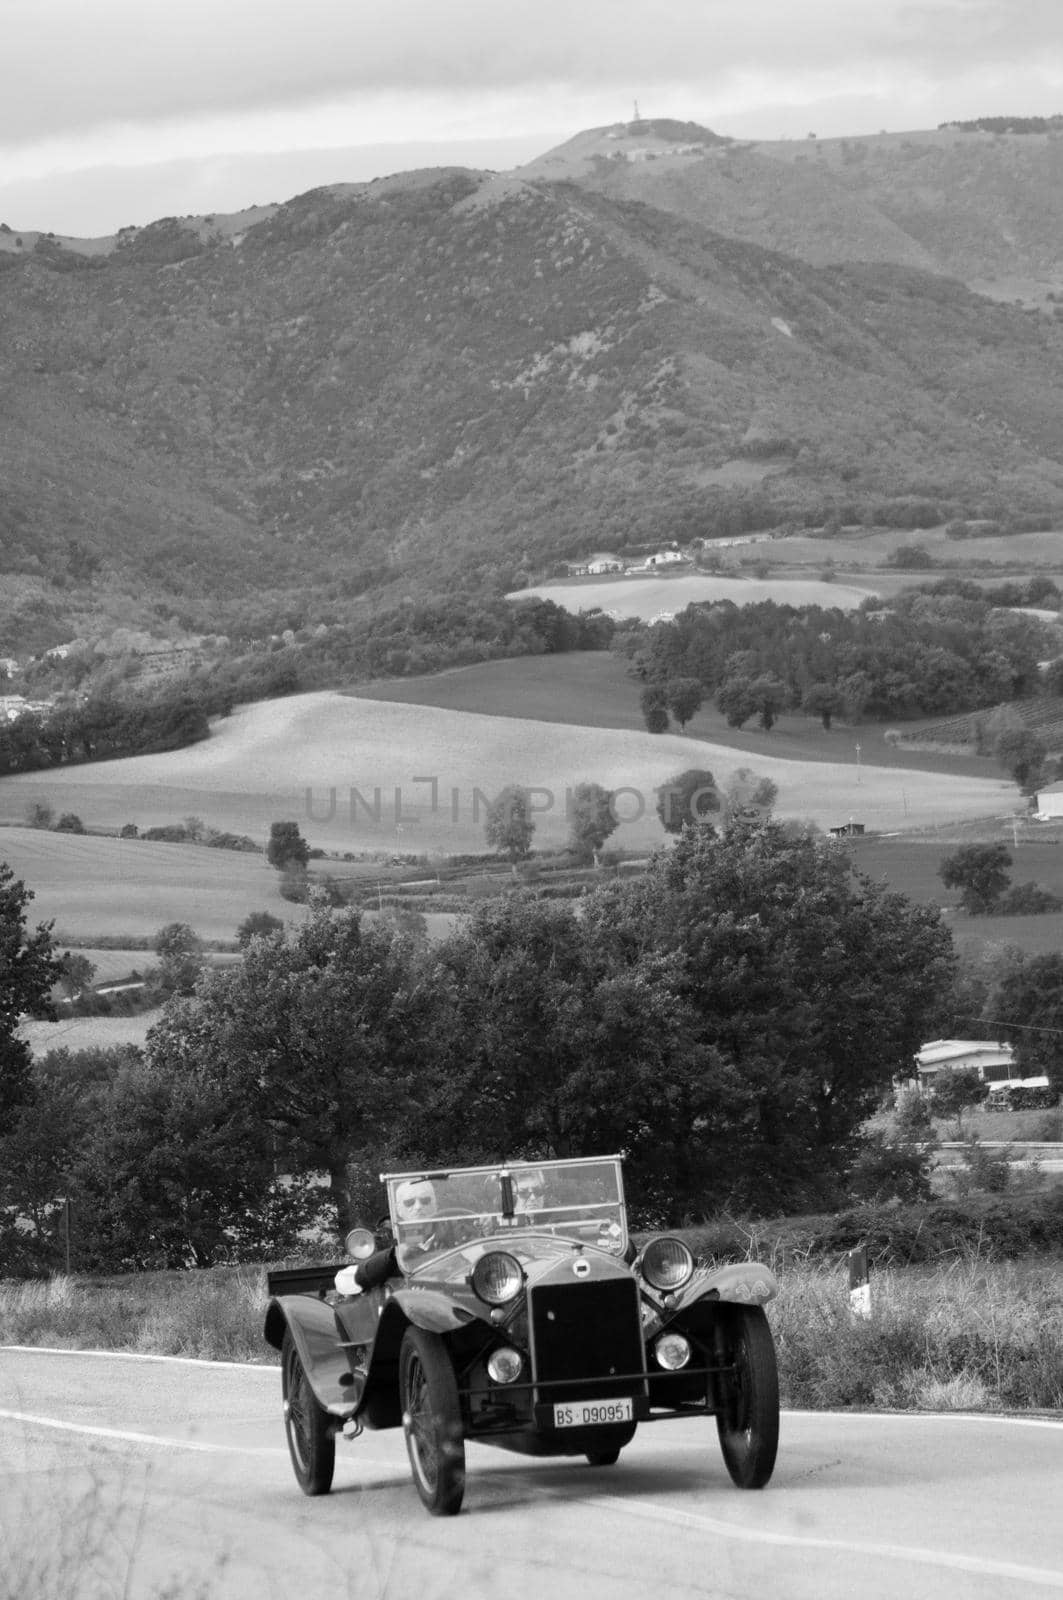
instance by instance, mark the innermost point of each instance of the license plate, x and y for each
(588, 1413)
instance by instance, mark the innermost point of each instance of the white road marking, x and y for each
(985, 1567)
(138, 1438)
(140, 1355)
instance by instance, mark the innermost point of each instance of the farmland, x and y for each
(648, 597)
(367, 768)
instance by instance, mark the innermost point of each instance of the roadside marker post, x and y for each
(859, 1284)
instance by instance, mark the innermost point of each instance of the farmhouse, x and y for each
(1050, 801)
(992, 1061)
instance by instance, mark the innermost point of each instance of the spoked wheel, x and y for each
(311, 1439)
(603, 1458)
(748, 1416)
(431, 1420)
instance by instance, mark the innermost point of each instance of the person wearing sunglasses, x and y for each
(529, 1188)
(415, 1208)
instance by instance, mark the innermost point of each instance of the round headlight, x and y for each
(666, 1264)
(504, 1366)
(497, 1277)
(359, 1244)
(672, 1351)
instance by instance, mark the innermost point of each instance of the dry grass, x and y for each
(964, 1335)
(88, 1033)
(259, 763)
(648, 597)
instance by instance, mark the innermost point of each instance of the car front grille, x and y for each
(581, 1333)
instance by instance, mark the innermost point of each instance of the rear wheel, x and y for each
(311, 1440)
(748, 1416)
(431, 1420)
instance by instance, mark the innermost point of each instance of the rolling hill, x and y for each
(452, 377)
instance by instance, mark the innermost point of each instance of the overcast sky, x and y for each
(121, 111)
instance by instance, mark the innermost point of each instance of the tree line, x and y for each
(920, 654)
(728, 1021)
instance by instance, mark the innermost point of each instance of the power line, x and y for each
(997, 1022)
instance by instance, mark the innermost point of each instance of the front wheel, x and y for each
(747, 1418)
(603, 1458)
(311, 1440)
(431, 1420)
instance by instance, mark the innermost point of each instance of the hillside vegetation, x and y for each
(383, 386)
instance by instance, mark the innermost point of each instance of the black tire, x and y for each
(603, 1458)
(748, 1416)
(309, 1429)
(431, 1421)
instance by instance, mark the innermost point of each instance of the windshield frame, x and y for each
(585, 1205)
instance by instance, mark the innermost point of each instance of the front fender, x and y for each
(747, 1283)
(317, 1336)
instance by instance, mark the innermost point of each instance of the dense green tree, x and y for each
(823, 700)
(28, 969)
(955, 1092)
(735, 699)
(286, 846)
(1022, 753)
(654, 706)
(331, 1035)
(1029, 1003)
(76, 972)
(748, 791)
(180, 952)
(813, 986)
(683, 698)
(980, 872)
(690, 797)
(70, 822)
(508, 824)
(768, 694)
(258, 925)
(592, 818)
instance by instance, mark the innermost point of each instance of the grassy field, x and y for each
(88, 1033)
(261, 763)
(649, 597)
(93, 886)
(592, 688)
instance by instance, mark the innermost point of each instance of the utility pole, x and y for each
(858, 763)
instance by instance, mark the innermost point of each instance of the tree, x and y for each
(592, 818)
(28, 969)
(180, 952)
(39, 814)
(1029, 1001)
(508, 826)
(822, 700)
(1022, 753)
(70, 822)
(683, 697)
(955, 1091)
(286, 846)
(735, 699)
(654, 708)
(747, 792)
(258, 925)
(332, 1035)
(811, 987)
(76, 972)
(980, 872)
(769, 696)
(690, 797)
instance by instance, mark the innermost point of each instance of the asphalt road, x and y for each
(144, 1478)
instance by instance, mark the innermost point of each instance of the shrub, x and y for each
(167, 833)
(129, 830)
(1028, 899)
(70, 822)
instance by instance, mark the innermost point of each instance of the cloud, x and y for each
(146, 61)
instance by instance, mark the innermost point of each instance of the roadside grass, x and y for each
(965, 1333)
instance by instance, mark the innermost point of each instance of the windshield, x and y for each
(584, 1200)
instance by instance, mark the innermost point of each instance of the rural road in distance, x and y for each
(145, 1478)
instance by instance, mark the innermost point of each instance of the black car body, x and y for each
(542, 1331)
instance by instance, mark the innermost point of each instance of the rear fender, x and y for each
(317, 1336)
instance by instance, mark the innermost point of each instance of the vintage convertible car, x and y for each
(514, 1311)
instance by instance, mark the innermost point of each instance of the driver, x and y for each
(416, 1205)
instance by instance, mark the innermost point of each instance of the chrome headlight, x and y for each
(359, 1244)
(497, 1278)
(666, 1264)
(504, 1366)
(672, 1351)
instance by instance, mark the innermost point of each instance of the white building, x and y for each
(1050, 801)
(993, 1061)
